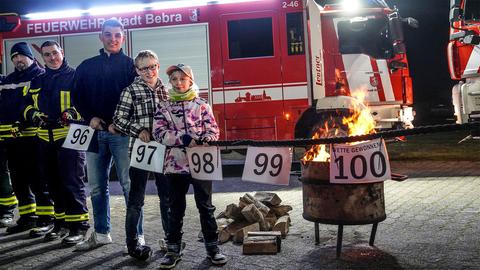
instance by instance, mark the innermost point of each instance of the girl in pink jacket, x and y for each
(186, 120)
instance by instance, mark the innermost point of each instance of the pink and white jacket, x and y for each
(172, 120)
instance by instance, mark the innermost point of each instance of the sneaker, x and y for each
(57, 232)
(141, 242)
(140, 252)
(170, 260)
(217, 258)
(21, 226)
(6, 222)
(75, 237)
(95, 240)
(41, 230)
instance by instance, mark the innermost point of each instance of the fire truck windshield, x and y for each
(369, 36)
(472, 10)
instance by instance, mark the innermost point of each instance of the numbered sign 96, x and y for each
(78, 137)
(360, 163)
(205, 163)
(148, 156)
(268, 165)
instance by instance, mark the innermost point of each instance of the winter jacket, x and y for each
(172, 120)
(13, 98)
(98, 83)
(50, 95)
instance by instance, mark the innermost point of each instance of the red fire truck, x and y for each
(260, 63)
(464, 58)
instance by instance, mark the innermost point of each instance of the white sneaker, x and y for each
(95, 240)
(141, 241)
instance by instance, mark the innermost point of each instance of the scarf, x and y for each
(175, 96)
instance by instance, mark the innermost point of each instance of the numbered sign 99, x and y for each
(148, 156)
(361, 163)
(78, 137)
(268, 165)
(205, 163)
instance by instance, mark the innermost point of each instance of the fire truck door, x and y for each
(252, 78)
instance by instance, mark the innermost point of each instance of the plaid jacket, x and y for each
(136, 108)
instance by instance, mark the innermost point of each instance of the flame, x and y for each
(360, 122)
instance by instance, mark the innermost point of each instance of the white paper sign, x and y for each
(268, 165)
(205, 163)
(148, 156)
(78, 137)
(360, 163)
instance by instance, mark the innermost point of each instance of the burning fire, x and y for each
(360, 122)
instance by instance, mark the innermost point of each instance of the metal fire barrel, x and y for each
(339, 204)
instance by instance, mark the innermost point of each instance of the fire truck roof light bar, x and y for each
(128, 8)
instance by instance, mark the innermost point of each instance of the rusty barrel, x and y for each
(339, 204)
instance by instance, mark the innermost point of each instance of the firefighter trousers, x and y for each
(64, 169)
(32, 192)
(8, 201)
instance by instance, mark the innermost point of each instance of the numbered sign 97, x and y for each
(361, 163)
(205, 163)
(148, 156)
(78, 137)
(268, 165)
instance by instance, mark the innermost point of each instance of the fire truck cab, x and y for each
(260, 63)
(464, 59)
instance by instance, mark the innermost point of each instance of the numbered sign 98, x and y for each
(148, 156)
(361, 163)
(268, 165)
(205, 163)
(78, 137)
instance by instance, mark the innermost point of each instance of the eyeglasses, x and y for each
(149, 68)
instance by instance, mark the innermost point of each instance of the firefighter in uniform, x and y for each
(35, 209)
(50, 108)
(8, 201)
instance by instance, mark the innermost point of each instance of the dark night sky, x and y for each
(426, 46)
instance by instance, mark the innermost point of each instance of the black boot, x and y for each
(59, 230)
(75, 236)
(140, 252)
(23, 224)
(44, 225)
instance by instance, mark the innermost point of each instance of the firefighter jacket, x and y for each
(13, 97)
(49, 96)
(173, 120)
(98, 83)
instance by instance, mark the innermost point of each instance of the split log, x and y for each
(240, 234)
(223, 235)
(221, 215)
(268, 198)
(282, 225)
(253, 214)
(281, 210)
(277, 234)
(260, 245)
(250, 199)
(234, 212)
(271, 219)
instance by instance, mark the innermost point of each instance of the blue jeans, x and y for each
(98, 171)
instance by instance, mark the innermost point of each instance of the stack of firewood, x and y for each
(256, 215)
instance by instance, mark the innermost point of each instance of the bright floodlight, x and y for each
(351, 5)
